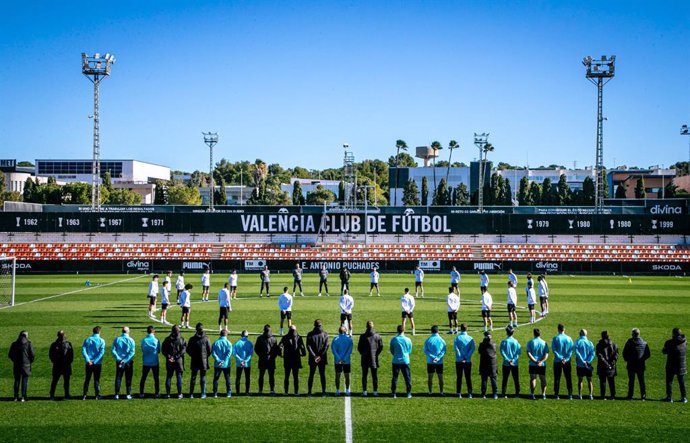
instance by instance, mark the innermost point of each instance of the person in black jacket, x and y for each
(636, 352)
(174, 348)
(62, 355)
(266, 348)
(344, 279)
(487, 364)
(676, 366)
(22, 355)
(317, 346)
(370, 347)
(198, 349)
(607, 357)
(293, 350)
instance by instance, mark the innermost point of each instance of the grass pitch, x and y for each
(655, 305)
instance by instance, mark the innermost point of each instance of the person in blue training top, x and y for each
(538, 353)
(342, 350)
(435, 350)
(150, 348)
(562, 347)
(93, 350)
(222, 352)
(510, 351)
(123, 350)
(401, 347)
(244, 349)
(584, 355)
(464, 348)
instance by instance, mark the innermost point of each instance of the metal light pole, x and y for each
(684, 130)
(211, 139)
(480, 141)
(95, 68)
(599, 72)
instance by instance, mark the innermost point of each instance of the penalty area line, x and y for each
(72, 292)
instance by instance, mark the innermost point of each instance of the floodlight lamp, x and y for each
(97, 55)
(346, 145)
(684, 130)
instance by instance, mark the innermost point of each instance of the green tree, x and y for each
(220, 197)
(184, 195)
(682, 168)
(670, 190)
(534, 194)
(425, 191)
(547, 195)
(10, 196)
(462, 195)
(410, 194)
(640, 191)
(2, 181)
(299, 172)
(160, 194)
(297, 197)
(563, 191)
(76, 193)
(319, 196)
(587, 196)
(507, 193)
(621, 190)
(108, 181)
(29, 190)
(452, 146)
(523, 192)
(25, 164)
(125, 197)
(436, 146)
(405, 160)
(441, 194)
(51, 180)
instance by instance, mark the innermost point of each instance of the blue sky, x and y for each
(289, 82)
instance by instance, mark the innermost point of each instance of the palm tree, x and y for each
(436, 146)
(400, 145)
(451, 146)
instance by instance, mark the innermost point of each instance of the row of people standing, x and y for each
(292, 349)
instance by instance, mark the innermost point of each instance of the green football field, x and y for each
(48, 303)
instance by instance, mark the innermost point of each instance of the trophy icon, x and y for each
(144, 222)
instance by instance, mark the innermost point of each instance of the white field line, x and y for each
(72, 292)
(348, 420)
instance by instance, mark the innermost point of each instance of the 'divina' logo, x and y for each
(138, 264)
(666, 209)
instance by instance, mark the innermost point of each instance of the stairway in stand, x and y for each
(477, 252)
(216, 251)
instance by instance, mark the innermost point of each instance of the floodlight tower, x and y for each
(211, 139)
(684, 130)
(95, 68)
(349, 178)
(480, 141)
(599, 72)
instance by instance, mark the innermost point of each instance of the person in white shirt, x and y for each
(374, 278)
(512, 278)
(165, 301)
(186, 304)
(543, 295)
(418, 282)
(512, 304)
(179, 285)
(531, 301)
(483, 280)
(168, 277)
(453, 302)
(265, 276)
(205, 284)
(346, 305)
(455, 280)
(224, 307)
(233, 283)
(407, 305)
(487, 303)
(153, 295)
(285, 306)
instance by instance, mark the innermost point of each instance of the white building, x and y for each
(574, 177)
(134, 175)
